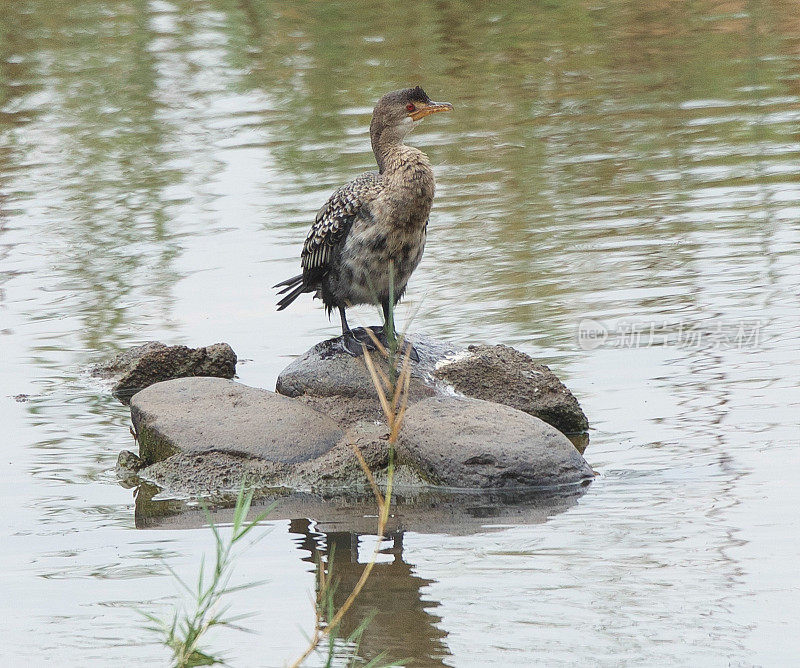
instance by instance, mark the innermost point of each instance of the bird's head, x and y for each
(398, 112)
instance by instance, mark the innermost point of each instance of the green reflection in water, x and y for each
(106, 205)
(581, 130)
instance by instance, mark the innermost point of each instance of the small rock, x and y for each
(154, 362)
(479, 444)
(127, 469)
(510, 377)
(122, 362)
(127, 462)
(212, 414)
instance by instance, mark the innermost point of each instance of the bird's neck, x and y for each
(386, 153)
(398, 161)
(407, 177)
(386, 141)
(408, 186)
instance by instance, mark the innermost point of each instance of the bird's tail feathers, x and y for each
(289, 283)
(297, 287)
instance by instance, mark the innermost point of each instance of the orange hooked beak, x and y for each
(424, 110)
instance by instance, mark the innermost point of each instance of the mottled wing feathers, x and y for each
(333, 222)
(327, 234)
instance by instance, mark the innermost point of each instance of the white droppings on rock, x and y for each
(452, 359)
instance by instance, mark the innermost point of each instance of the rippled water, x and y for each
(618, 195)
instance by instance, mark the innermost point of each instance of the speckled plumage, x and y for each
(376, 218)
(333, 222)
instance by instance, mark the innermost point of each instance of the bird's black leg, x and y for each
(350, 343)
(386, 313)
(345, 326)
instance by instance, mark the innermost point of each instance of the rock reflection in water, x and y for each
(404, 623)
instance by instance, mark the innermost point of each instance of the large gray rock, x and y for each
(335, 472)
(507, 376)
(191, 415)
(460, 442)
(153, 362)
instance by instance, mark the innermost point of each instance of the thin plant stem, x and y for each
(381, 394)
(392, 392)
(365, 467)
(184, 632)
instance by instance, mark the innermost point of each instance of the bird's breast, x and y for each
(407, 195)
(368, 251)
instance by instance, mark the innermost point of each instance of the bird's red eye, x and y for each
(410, 106)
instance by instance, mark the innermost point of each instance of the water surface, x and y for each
(618, 195)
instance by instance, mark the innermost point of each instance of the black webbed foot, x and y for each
(352, 342)
(355, 340)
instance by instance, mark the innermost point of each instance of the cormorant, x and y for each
(377, 218)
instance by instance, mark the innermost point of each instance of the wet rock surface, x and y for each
(335, 472)
(154, 362)
(213, 472)
(328, 369)
(461, 442)
(510, 377)
(213, 414)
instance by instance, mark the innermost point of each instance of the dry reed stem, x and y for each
(377, 492)
(398, 421)
(394, 418)
(381, 348)
(336, 619)
(375, 381)
(401, 385)
(384, 378)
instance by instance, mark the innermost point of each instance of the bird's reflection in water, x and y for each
(402, 624)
